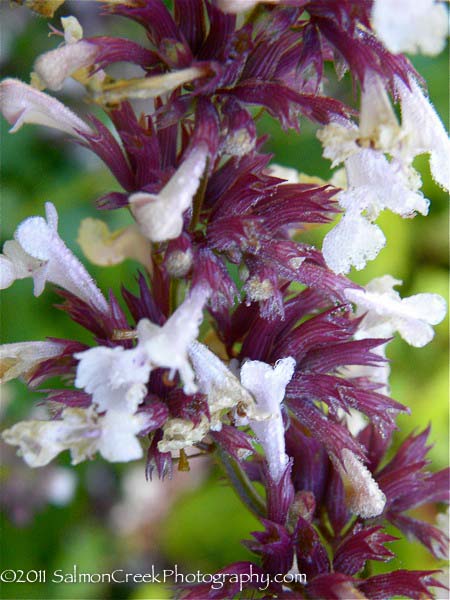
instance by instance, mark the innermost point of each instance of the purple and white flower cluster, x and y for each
(245, 342)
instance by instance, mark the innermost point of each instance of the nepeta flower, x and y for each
(82, 432)
(385, 312)
(409, 26)
(22, 358)
(374, 182)
(268, 386)
(280, 358)
(160, 217)
(38, 252)
(115, 376)
(20, 104)
(104, 247)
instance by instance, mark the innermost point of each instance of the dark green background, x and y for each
(204, 527)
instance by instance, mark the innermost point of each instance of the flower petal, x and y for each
(352, 242)
(160, 217)
(20, 103)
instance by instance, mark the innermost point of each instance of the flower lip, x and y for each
(20, 103)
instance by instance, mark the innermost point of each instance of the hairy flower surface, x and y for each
(38, 252)
(376, 182)
(408, 26)
(241, 340)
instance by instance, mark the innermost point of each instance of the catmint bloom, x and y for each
(386, 312)
(352, 242)
(363, 494)
(82, 432)
(147, 87)
(53, 68)
(285, 368)
(38, 252)
(423, 131)
(160, 217)
(268, 385)
(221, 386)
(20, 103)
(22, 358)
(374, 182)
(411, 26)
(182, 433)
(115, 376)
(167, 346)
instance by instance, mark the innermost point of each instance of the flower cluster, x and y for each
(244, 341)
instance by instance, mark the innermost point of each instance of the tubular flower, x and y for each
(24, 357)
(268, 386)
(38, 252)
(374, 182)
(242, 340)
(82, 432)
(385, 312)
(160, 217)
(409, 26)
(20, 104)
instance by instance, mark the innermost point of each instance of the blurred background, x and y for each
(102, 517)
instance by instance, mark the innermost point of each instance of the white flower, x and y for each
(73, 57)
(374, 182)
(104, 247)
(20, 103)
(256, 399)
(222, 388)
(40, 253)
(378, 126)
(364, 497)
(387, 312)
(160, 217)
(352, 242)
(423, 132)
(23, 358)
(116, 377)
(82, 432)
(411, 25)
(268, 385)
(53, 67)
(167, 346)
(182, 433)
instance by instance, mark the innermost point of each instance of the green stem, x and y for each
(242, 484)
(199, 198)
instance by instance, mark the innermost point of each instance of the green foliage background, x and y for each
(204, 527)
